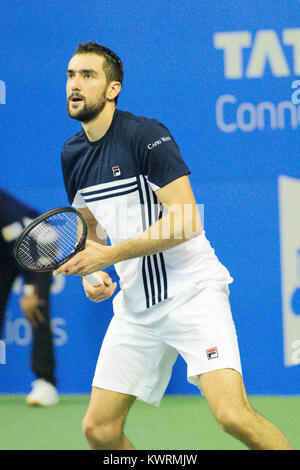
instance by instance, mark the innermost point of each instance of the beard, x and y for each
(89, 111)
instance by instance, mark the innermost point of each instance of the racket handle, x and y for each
(93, 279)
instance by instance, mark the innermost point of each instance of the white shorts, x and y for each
(137, 357)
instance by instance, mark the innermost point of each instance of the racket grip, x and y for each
(93, 279)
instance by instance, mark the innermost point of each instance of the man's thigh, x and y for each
(203, 332)
(223, 389)
(134, 361)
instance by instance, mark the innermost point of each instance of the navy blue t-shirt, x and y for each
(132, 146)
(116, 178)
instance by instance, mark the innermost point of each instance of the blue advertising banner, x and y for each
(223, 77)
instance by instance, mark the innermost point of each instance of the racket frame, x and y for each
(78, 247)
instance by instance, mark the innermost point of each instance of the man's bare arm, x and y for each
(181, 223)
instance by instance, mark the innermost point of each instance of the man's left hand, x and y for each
(94, 257)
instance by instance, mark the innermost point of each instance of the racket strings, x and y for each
(52, 240)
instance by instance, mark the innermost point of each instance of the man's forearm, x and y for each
(168, 232)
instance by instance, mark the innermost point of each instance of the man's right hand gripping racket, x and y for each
(51, 240)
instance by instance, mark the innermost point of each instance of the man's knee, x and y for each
(234, 420)
(102, 433)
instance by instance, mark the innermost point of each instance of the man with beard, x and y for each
(126, 175)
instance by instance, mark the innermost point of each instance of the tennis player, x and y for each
(126, 175)
(34, 301)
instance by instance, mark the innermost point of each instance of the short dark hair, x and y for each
(112, 66)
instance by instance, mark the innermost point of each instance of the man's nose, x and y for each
(76, 83)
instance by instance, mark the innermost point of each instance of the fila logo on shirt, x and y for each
(116, 170)
(212, 353)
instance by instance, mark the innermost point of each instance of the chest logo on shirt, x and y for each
(116, 170)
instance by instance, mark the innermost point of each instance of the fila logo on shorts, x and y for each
(212, 353)
(116, 170)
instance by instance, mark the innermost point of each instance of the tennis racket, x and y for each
(51, 240)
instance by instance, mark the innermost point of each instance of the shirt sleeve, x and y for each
(78, 201)
(160, 157)
(15, 215)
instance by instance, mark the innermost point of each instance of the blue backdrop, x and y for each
(219, 75)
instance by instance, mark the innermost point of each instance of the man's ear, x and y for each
(113, 90)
